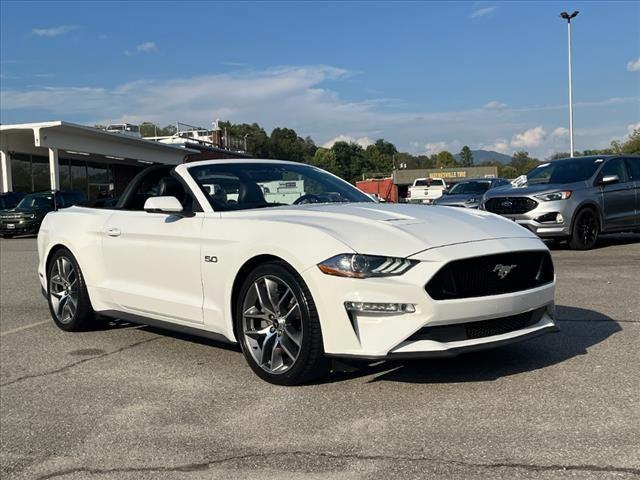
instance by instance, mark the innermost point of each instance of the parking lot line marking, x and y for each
(24, 327)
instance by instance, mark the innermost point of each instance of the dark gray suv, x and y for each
(468, 193)
(574, 198)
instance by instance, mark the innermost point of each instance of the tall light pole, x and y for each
(568, 18)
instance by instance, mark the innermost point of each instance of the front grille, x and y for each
(491, 275)
(510, 205)
(481, 329)
(11, 217)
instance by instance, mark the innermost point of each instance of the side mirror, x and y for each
(170, 205)
(609, 179)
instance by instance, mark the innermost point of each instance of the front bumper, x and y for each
(531, 220)
(441, 350)
(18, 227)
(381, 336)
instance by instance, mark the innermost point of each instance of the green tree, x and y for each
(324, 158)
(466, 157)
(258, 142)
(403, 158)
(350, 161)
(379, 156)
(522, 162)
(149, 129)
(444, 159)
(631, 146)
(287, 145)
(425, 161)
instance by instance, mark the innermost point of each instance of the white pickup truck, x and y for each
(426, 190)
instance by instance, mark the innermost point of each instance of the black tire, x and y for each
(64, 314)
(585, 231)
(310, 362)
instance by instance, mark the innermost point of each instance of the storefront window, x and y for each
(100, 180)
(65, 174)
(40, 170)
(21, 173)
(79, 176)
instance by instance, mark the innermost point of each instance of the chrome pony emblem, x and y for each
(507, 204)
(503, 270)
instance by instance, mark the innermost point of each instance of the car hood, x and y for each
(527, 190)
(455, 199)
(398, 230)
(17, 211)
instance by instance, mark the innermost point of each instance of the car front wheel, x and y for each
(278, 326)
(586, 228)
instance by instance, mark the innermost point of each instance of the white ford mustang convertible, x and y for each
(295, 265)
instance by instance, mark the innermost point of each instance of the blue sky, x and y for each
(426, 76)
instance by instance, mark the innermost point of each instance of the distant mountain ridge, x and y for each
(480, 156)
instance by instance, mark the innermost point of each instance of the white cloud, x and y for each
(53, 31)
(273, 96)
(364, 142)
(298, 97)
(435, 147)
(495, 105)
(501, 145)
(146, 47)
(531, 138)
(559, 132)
(233, 64)
(634, 65)
(482, 12)
(632, 127)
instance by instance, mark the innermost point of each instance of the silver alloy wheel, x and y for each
(63, 289)
(272, 324)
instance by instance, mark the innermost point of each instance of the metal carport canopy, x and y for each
(49, 138)
(70, 136)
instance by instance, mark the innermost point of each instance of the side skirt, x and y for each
(152, 322)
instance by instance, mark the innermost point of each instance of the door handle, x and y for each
(114, 232)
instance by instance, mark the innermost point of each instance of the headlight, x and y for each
(365, 266)
(30, 216)
(551, 197)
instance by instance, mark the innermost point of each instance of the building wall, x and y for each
(450, 175)
(383, 187)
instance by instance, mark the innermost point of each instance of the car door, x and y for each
(153, 260)
(618, 198)
(633, 169)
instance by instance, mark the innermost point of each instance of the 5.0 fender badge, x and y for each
(210, 259)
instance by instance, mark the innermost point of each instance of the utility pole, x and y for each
(568, 18)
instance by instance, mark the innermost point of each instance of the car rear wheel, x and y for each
(67, 293)
(586, 228)
(278, 327)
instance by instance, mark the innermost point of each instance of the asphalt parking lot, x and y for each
(132, 402)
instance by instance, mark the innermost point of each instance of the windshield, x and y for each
(467, 188)
(564, 171)
(241, 186)
(40, 202)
